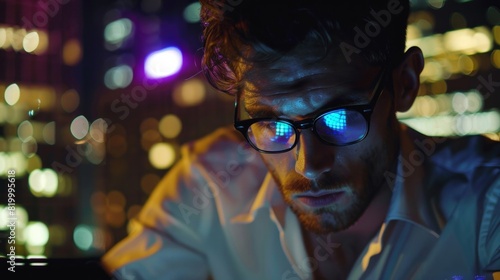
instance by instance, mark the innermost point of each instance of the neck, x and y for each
(373, 217)
(350, 243)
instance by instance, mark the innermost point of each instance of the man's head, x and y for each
(325, 79)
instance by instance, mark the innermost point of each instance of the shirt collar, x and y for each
(267, 197)
(411, 201)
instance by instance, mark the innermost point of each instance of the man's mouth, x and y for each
(320, 198)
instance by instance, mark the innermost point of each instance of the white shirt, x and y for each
(214, 215)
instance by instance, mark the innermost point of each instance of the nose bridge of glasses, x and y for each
(304, 124)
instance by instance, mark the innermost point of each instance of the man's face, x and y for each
(328, 187)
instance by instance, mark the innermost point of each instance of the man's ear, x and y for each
(406, 79)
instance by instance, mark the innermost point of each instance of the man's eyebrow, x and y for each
(260, 111)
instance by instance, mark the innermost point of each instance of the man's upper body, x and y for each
(219, 214)
(339, 189)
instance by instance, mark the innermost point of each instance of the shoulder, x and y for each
(212, 170)
(463, 165)
(467, 153)
(218, 147)
(470, 193)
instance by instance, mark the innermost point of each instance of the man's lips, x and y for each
(320, 198)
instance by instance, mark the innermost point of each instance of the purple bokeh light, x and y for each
(163, 63)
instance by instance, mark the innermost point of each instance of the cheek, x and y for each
(279, 164)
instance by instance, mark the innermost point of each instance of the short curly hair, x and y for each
(260, 31)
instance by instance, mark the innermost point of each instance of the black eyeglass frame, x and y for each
(364, 109)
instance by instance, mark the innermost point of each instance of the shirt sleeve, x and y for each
(489, 235)
(166, 238)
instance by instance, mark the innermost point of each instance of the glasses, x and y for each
(337, 127)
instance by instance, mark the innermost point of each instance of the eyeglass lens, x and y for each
(337, 127)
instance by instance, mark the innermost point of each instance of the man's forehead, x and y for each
(303, 68)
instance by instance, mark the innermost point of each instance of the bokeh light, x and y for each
(163, 63)
(3, 144)
(36, 256)
(14, 144)
(79, 127)
(493, 15)
(49, 133)
(474, 101)
(98, 130)
(427, 106)
(190, 93)
(31, 41)
(3, 37)
(21, 216)
(70, 100)
(170, 126)
(29, 147)
(4, 111)
(439, 87)
(162, 155)
(468, 41)
(17, 39)
(6, 37)
(43, 42)
(72, 52)
(483, 39)
(495, 58)
(98, 202)
(436, 4)
(457, 21)
(496, 34)
(118, 77)
(115, 200)
(96, 152)
(149, 138)
(65, 187)
(22, 220)
(117, 31)
(36, 233)
(13, 160)
(83, 237)
(467, 64)
(148, 124)
(12, 94)
(115, 218)
(192, 12)
(4, 163)
(99, 239)
(43, 182)
(33, 163)
(24, 130)
(460, 103)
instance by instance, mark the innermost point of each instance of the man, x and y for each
(338, 189)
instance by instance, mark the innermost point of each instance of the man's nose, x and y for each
(312, 157)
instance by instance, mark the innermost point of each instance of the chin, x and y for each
(324, 220)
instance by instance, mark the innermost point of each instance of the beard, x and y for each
(360, 189)
(332, 218)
